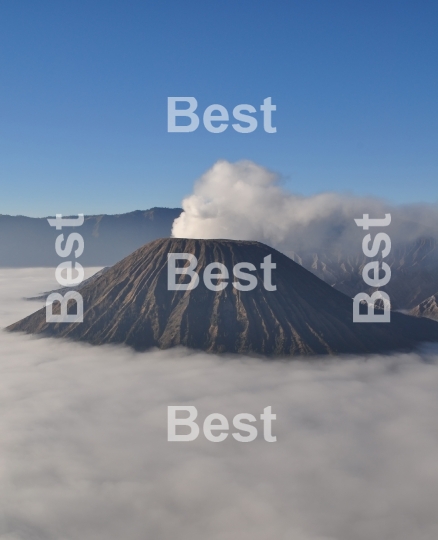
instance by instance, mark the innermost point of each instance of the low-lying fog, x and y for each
(84, 451)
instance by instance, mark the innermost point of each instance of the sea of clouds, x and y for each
(84, 452)
(245, 201)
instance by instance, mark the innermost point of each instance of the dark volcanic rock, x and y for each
(63, 290)
(131, 304)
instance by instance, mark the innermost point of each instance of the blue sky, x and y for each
(84, 87)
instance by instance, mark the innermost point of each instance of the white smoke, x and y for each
(84, 453)
(244, 201)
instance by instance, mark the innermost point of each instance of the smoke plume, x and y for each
(244, 201)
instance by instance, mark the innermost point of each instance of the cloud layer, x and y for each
(244, 201)
(84, 453)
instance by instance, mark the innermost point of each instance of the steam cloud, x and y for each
(244, 201)
(84, 453)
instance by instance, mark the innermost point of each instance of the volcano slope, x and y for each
(131, 304)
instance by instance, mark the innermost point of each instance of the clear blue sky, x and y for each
(84, 87)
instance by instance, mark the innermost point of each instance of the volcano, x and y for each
(131, 304)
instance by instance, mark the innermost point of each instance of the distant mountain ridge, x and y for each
(428, 308)
(131, 304)
(414, 271)
(30, 242)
